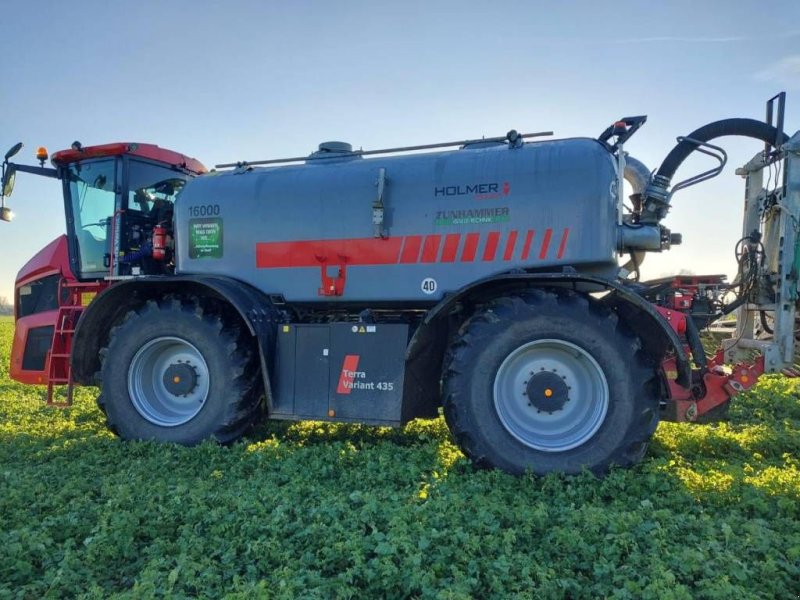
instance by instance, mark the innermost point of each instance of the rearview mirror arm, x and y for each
(43, 171)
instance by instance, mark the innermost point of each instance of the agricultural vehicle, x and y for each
(482, 279)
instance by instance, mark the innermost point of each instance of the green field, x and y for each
(321, 511)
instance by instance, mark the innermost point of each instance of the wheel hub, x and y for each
(180, 379)
(547, 392)
(168, 381)
(551, 394)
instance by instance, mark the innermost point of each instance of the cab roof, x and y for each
(149, 151)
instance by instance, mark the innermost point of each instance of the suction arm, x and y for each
(656, 202)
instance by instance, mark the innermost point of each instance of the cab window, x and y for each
(92, 194)
(152, 191)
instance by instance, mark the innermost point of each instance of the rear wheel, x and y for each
(549, 381)
(174, 371)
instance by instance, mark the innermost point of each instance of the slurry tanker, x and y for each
(493, 280)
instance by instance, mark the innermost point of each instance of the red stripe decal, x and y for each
(348, 374)
(510, 244)
(526, 248)
(470, 247)
(411, 249)
(313, 253)
(491, 245)
(431, 248)
(563, 245)
(546, 243)
(450, 250)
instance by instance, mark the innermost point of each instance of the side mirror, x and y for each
(13, 150)
(9, 176)
(6, 214)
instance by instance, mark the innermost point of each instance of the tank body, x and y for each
(307, 232)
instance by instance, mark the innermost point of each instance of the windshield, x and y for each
(93, 199)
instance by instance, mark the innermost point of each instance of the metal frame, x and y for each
(781, 98)
(781, 238)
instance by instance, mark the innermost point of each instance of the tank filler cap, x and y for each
(343, 147)
(334, 152)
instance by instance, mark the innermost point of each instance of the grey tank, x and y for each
(308, 232)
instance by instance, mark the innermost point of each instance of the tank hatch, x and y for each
(334, 151)
(335, 147)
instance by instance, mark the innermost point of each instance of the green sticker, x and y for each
(205, 238)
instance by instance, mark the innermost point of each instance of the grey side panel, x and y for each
(340, 372)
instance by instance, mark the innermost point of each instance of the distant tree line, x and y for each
(6, 308)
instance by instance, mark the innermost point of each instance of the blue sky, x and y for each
(224, 81)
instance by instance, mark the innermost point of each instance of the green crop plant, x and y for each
(312, 510)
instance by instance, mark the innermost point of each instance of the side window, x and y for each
(152, 191)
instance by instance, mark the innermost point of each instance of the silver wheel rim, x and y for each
(148, 391)
(584, 382)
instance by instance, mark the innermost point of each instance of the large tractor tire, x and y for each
(549, 381)
(174, 372)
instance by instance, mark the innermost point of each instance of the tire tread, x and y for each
(462, 353)
(243, 395)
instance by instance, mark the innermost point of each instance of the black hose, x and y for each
(743, 127)
(763, 316)
(696, 345)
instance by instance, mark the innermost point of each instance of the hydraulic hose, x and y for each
(656, 201)
(696, 345)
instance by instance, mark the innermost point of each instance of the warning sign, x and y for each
(205, 238)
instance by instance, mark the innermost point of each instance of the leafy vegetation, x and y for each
(329, 511)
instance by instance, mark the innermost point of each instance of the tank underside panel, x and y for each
(308, 232)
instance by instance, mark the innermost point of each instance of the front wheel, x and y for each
(176, 372)
(549, 381)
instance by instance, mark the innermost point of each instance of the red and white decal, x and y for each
(348, 374)
(414, 249)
